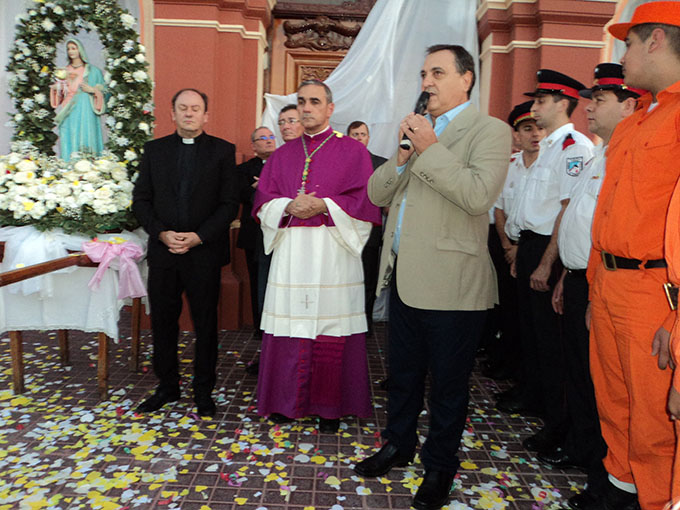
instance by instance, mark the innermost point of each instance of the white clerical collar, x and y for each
(319, 133)
(188, 141)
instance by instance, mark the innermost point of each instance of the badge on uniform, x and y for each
(574, 166)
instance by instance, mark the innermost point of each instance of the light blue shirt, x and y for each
(439, 127)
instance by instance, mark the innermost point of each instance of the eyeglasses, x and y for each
(265, 138)
(288, 121)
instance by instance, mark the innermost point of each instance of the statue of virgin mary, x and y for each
(78, 97)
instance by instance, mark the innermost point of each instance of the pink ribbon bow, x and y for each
(130, 283)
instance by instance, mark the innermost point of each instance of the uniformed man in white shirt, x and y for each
(504, 355)
(583, 445)
(533, 222)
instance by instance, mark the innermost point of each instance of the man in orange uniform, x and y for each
(673, 258)
(631, 319)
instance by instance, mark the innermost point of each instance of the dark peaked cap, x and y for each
(553, 82)
(609, 76)
(520, 113)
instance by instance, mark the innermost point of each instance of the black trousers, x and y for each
(442, 343)
(253, 265)
(263, 263)
(584, 440)
(202, 286)
(506, 351)
(370, 259)
(544, 371)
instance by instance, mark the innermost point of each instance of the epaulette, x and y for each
(568, 140)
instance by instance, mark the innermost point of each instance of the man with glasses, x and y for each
(289, 123)
(263, 142)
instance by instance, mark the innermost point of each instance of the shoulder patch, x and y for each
(574, 165)
(568, 140)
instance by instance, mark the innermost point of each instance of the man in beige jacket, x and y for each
(436, 264)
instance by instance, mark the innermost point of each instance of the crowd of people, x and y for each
(579, 242)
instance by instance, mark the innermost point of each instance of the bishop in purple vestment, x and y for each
(315, 215)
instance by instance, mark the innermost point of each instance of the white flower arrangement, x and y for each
(86, 195)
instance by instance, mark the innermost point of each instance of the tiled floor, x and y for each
(60, 448)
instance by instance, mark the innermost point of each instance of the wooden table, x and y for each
(16, 346)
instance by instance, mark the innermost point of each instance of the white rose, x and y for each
(91, 176)
(144, 127)
(112, 84)
(13, 158)
(58, 10)
(139, 76)
(26, 165)
(122, 201)
(130, 155)
(83, 166)
(119, 125)
(38, 210)
(19, 117)
(85, 198)
(126, 187)
(103, 193)
(62, 190)
(48, 25)
(128, 20)
(140, 58)
(40, 98)
(99, 207)
(69, 203)
(119, 174)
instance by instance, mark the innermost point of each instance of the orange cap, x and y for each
(667, 13)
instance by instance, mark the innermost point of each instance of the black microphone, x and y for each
(421, 106)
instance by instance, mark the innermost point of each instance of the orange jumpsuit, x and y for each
(629, 305)
(673, 259)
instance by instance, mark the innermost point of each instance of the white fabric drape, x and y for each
(93, 47)
(378, 81)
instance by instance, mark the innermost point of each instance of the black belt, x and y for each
(530, 234)
(612, 262)
(578, 272)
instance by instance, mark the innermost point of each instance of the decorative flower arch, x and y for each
(129, 106)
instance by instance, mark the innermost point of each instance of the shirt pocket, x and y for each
(655, 161)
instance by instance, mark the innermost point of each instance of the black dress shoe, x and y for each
(158, 400)
(542, 441)
(558, 458)
(380, 463)
(329, 426)
(586, 500)
(512, 404)
(434, 492)
(253, 367)
(617, 499)
(205, 406)
(279, 418)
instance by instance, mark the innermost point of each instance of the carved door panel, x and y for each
(307, 48)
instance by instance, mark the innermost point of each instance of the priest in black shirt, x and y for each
(185, 198)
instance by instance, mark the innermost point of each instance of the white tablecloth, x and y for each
(61, 299)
